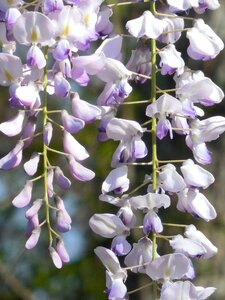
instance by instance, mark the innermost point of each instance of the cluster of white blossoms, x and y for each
(56, 36)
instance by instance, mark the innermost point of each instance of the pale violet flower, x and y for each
(170, 180)
(115, 275)
(140, 256)
(108, 225)
(195, 235)
(33, 28)
(181, 5)
(195, 176)
(24, 196)
(140, 62)
(84, 110)
(197, 88)
(13, 126)
(195, 203)
(129, 134)
(78, 171)
(13, 158)
(30, 167)
(171, 61)
(204, 131)
(173, 28)
(73, 147)
(147, 26)
(165, 106)
(116, 181)
(10, 69)
(170, 267)
(187, 246)
(184, 290)
(204, 43)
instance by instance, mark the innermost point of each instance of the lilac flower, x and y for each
(204, 43)
(171, 180)
(150, 201)
(10, 69)
(57, 261)
(33, 239)
(115, 275)
(47, 134)
(24, 197)
(120, 245)
(27, 95)
(129, 134)
(62, 181)
(116, 181)
(114, 94)
(108, 225)
(195, 203)
(71, 123)
(63, 219)
(147, 26)
(197, 88)
(78, 171)
(171, 61)
(103, 25)
(169, 267)
(61, 250)
(184, 290)
(140, 256)
(163, 107)
(83, 110)
(33, 210)
(187, 246)
(173, 28)
(140, 62)
(13, 158)
(33, 28)
(50, 176)
(35, 57)
(196, 176)
(204, 131)
(62, 50)
(52, 6)
(31, 165)
(182, 5)
(73, 147)
(195, 235)
(29, 130)
(13, 126)
(61, 86)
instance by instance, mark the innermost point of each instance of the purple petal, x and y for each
(55, 258)
(120, 245)
(78, 171)
(24, 197)
(31, 165)
(61, 250)
(35, 57)
(33, 210)
(47, 135)
(13, 126)
(73, 147)
(50, 176)
(84, 110)
(62, 181)
(71, 123)
(13, 158)
(33, 239)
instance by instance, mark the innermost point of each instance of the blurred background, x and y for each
(30, 274)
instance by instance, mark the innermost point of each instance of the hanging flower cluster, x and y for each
(56, 36)
(170, 112)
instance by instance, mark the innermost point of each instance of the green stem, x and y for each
(45, 153)
(154, 144)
